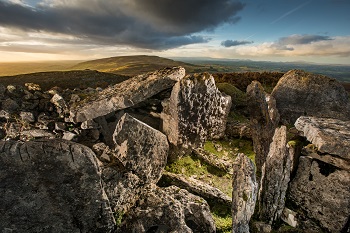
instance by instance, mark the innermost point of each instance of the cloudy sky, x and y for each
(276, 30)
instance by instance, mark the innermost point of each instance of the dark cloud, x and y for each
(230, 43)
(302, 39)
(153, 24)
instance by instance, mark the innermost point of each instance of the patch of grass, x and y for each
(191, 166)
(222, 218)
(238, 97)
(244, 146)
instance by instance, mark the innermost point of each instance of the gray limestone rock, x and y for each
(244, 194)
(51, 186)
(140, 148)
(322, 191)
(330, 136)
(264, 119)
(275, 178)
(169, 209)
(27, 117)
(299, 93)
(125, 94)
(195, 112)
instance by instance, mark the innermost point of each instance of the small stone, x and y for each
(10, 105)
(289, 217)
(61, 126)
(89, 124)
(27, 117)
(69, 136)
(32, 87)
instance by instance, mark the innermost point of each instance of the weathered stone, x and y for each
(140, 148)
(89, 124)
(264, 119)
(275, 178)
(198, 187)
(32, 87)
(60, 126)
(59, 101)
(169, 209)
(51, 186)
(289, 216)
(36, 133)
(238, 129)
(322, 192)
(10, 105)
(330, 136)
(244, 194)
(4, 114)
(196, 111)
(126, 94)
(299, 93)
(15, 91)
(27, 117)
(2, 91)
(69, 136)
(261, 227)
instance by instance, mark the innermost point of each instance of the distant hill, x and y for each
(134, 65)
(65, 79)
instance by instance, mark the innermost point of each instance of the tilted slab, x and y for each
(330, 136)
(126, 94)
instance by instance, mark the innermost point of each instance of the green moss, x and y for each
(244, 146)
(187, 166)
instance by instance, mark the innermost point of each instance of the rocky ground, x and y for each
(170, 152)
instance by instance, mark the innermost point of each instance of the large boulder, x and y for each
(275, 177)
(169, 209)
(51, 186)
(321, 192)
(244, 194)
(299, 93)
(264, 119)
(125, 94)
(196, 111)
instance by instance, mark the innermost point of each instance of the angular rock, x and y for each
(299, 93)
(213, 160)
(126, 94)
(51, 186)
(140, 148)
(289, 216)
(330, 136)
(169, 209)
(10, 105)
(264, 119)
(275, 178)
(196, 111)
(198, 187)
(37, 133)
(322, 192)
(32, 87)
(244, 194)
(238, 129)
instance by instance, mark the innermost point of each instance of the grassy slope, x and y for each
(134, 65)
(15, 68)
(65, 79)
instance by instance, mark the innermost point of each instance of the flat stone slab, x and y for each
(330, 136)
(126, 94)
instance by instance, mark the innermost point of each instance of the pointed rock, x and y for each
(244, 194)
(264, 119)
(195, 112)
(275, 177)
(125, 94)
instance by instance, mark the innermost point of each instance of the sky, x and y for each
(315, 31)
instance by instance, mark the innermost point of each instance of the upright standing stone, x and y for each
(264, 119)
(244, 194)
(275, 178)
